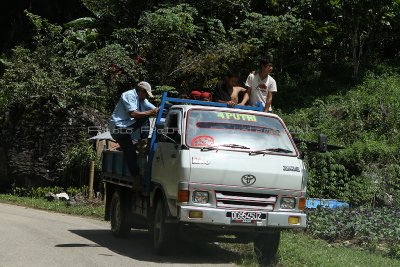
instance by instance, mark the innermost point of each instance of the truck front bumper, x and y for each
(213, 216)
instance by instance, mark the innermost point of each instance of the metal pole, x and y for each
(91, 179)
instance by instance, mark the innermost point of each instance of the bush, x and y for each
(40, 192)
(72, 65)
(75, 164)
(73, 191)
(366, 122)
(374, 229)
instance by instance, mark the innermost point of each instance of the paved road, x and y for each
(31, 237)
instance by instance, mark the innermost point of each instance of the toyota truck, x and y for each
(211, 172)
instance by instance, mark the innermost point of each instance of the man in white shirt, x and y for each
(261, 86)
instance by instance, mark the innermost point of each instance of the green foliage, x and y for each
(394, 250)
(363, 226)
(105, 73)
(167, 37)
(230, 12)
(73, 191)
(366, 122)
(19, 191)
(45, 31)
(75, 164)
(328, 178)
(203, 70)
(127, 38)
(40, 192)
(69, 65)
(81, 23)
(172, 23)
(159, 90)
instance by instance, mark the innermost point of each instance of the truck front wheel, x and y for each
(120, 226)
(266, 248)
(164, 234)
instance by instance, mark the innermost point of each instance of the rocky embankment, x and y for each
(35, 137)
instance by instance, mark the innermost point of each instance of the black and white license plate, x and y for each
(245, 217)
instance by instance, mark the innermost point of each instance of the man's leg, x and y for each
(125, 142)
(143, 126)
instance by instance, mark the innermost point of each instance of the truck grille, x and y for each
(239, 200)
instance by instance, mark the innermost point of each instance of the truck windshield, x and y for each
(256, 132)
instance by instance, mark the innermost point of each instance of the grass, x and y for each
(299, 249)
(92, 210)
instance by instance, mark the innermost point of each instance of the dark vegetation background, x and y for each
(63, 65)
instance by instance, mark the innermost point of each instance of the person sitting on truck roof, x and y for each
(130, 114)
(228, 92)
(261, 86)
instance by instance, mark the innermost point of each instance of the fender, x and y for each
(154, 194)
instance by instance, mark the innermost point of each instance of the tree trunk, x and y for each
(357, 48)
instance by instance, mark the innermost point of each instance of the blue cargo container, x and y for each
(108, 162)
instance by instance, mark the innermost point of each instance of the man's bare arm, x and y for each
(141, 114)
(268, 102)
(246, 96)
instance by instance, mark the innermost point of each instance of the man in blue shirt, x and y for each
(130, 114)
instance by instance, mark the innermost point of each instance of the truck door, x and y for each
(166, 162)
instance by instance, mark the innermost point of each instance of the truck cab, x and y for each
(214, 171)
(229, 167)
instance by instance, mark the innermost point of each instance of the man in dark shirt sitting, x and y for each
(228, 92)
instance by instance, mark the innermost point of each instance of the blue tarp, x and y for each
(313, 203)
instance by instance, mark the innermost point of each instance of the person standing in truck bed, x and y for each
(130, 114)
(261, 86)
(228, 92)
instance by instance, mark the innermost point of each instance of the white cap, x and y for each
(146, 86)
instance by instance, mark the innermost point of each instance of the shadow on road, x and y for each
(138, 245)
(76, 245)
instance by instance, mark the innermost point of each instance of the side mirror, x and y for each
(322, 143)
(297, 140)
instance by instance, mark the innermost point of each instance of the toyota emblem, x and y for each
(248, 179)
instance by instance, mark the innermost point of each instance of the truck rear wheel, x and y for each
(266, 248)
(164, 234)
(120, 226)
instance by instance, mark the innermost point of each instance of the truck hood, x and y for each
(234, 168)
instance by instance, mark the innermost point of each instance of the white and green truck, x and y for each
(211, 172)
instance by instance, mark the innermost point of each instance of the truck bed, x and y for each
(115, 169)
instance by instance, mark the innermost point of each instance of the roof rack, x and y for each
(166, 99)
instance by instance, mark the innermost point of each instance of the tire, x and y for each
(164, 234)
(120, 226)
(266, 248)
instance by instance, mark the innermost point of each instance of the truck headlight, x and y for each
(288, 203)
(200, 197)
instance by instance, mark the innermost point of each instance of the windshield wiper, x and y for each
(224, 145)
(265, 151)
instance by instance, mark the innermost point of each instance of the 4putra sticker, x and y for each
(236, 116)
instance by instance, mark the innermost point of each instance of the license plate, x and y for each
(245, 217)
